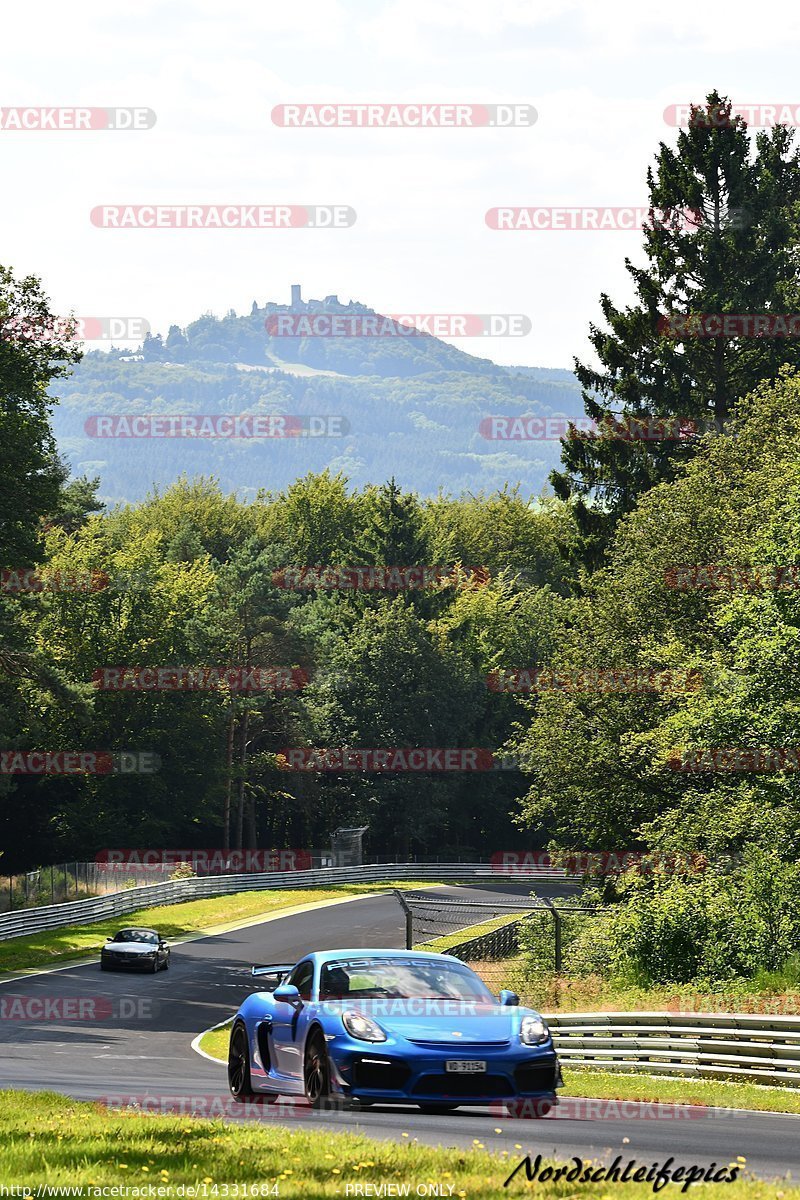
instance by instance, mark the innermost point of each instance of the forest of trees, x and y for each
(675, 562)
(191, 577)
(421, 426)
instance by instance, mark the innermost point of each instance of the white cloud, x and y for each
(599, 75)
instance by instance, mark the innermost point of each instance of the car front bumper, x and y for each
(419, 1075)
(128, 962)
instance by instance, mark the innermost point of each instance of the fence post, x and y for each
(52, 885)
(409, 919)
(557, 919)
(556, 931)
(11, 893)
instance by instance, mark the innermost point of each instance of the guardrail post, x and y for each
(409, 919)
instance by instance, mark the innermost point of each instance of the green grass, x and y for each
(215, 1042)
(593, 993)
(172, 920)
(47, 1139)
(549, 992)
(442, 944)
(711, 1093)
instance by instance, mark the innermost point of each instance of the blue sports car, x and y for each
(390, 1026)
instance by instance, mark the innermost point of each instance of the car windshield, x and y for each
(365, 978)
(137, 935)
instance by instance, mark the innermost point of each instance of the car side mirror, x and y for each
(287, 993)
(509, 999)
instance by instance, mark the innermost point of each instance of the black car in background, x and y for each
(135, 950)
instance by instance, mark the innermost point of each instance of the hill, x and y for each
(409, 406)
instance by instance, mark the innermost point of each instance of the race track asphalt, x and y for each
(131, 1042)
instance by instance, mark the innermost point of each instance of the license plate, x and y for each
(465, 1066)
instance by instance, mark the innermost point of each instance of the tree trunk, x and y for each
(252, 839)
(226, 821)
(245, 722)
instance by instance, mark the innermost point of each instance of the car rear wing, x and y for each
(272, 975)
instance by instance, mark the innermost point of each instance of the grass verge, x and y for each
(707, 1093)
(172, 920)
(442, 944)
(592, 993)
(548, 992)
(49, 1140)
(215, 1041)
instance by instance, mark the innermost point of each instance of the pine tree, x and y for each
(393, 535)
(721, 238)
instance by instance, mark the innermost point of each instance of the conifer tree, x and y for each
(721, 237)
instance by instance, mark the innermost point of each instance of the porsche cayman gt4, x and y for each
(389, 1026)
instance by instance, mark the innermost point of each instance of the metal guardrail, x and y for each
(761, 1049)
(741, 1046)
(498, 943)
(84, 912)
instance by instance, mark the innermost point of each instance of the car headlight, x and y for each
(363, 1028)
(533, 1031)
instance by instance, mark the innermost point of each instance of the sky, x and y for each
(598, 75)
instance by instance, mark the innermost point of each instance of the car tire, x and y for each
(155, 968)
(165, 964)
(239, 1064)
(317, 1072)
(529, 1109)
